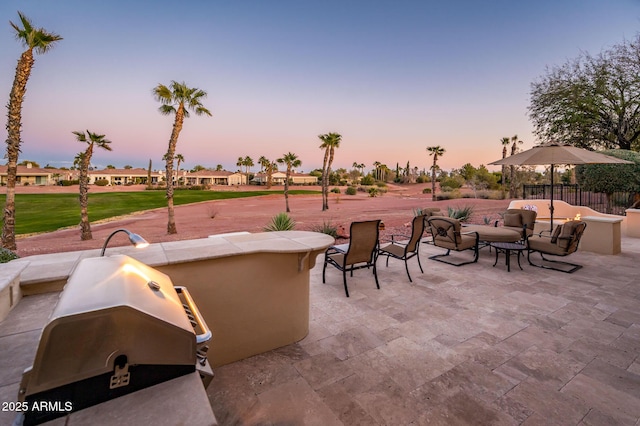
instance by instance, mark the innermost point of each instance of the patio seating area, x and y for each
(470, 345)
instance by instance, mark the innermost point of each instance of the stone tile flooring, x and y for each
(459, 346)
(469, 345)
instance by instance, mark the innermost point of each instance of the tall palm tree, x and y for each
(178, 99)
(505, 142)
(330, 142)
(512, 184)
(180, 159)
(437, 152)
(292, 161)
(94, 140)
(35, 40)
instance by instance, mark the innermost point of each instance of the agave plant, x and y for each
(463, 214)
(7, 255)
(326, 228)
(280, 222)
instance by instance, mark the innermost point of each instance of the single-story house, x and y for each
(278, 178)
(124, 176)
(213, 177)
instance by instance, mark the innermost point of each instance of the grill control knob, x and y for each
(153, 285)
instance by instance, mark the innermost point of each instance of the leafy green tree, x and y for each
(610, 178)
(177, 99)
(292, 161)
(330, 142)
(592, 101)
(27, 162)
(437, 152)
(93, 140)
(35, 40)
(198, 167)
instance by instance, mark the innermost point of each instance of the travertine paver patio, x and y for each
(468, 345)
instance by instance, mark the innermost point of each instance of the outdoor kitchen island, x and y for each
(252, 289)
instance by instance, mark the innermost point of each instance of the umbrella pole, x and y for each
(551, 205)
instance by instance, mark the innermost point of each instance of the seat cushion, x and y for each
(544, 245)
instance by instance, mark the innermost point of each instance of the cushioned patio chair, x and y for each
(405, 250)
(361, 252)
(520, 220)
(563, 242)
(447, 234)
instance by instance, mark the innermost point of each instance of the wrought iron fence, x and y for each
(617, 203)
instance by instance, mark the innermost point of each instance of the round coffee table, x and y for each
(507, 248)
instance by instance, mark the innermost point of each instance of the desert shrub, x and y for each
(335, 190)
(381, 184)
(373, 191)
(101, 182)
(426, 191)
(451, 182)
(26, 184)
(351, 190)
(450, 195)
(367, 180)
(463, 214)
(7, 255)
(326, 228)
(362, 189)
(423, 179)
(280, 222)
(66, 182)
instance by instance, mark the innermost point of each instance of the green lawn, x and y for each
(49, 212)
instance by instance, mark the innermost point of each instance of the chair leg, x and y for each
(406, 266)
(573, 266)
(375, 275)
(344, 279)
(324, 268)
(439, 257)
(419, 264)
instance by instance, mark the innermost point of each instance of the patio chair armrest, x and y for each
(339, 248)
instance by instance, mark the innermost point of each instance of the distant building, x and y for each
(213, 177)
(279, 178)
(29, 175)
(125, 176)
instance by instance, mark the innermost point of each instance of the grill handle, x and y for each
(206, 335)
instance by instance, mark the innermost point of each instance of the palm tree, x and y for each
(84, 160)
(177, 99)
(512, 184)
(505, 142)
(247, 162)
(437, 152)
(270, 167)
(292, 161)
(263, 161)
(40, 41)
(180, 159)
(330, 142)
(376, 165)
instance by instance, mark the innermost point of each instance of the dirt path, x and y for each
(200, 220)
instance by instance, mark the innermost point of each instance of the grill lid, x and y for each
(106, 282)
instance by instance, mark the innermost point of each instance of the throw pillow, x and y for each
(513, 219)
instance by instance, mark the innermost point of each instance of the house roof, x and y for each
(24, 170)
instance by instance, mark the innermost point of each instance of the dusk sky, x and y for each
(392, 77)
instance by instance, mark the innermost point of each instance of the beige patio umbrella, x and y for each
(556, 154)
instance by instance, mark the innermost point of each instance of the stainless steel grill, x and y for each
(119, 326)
